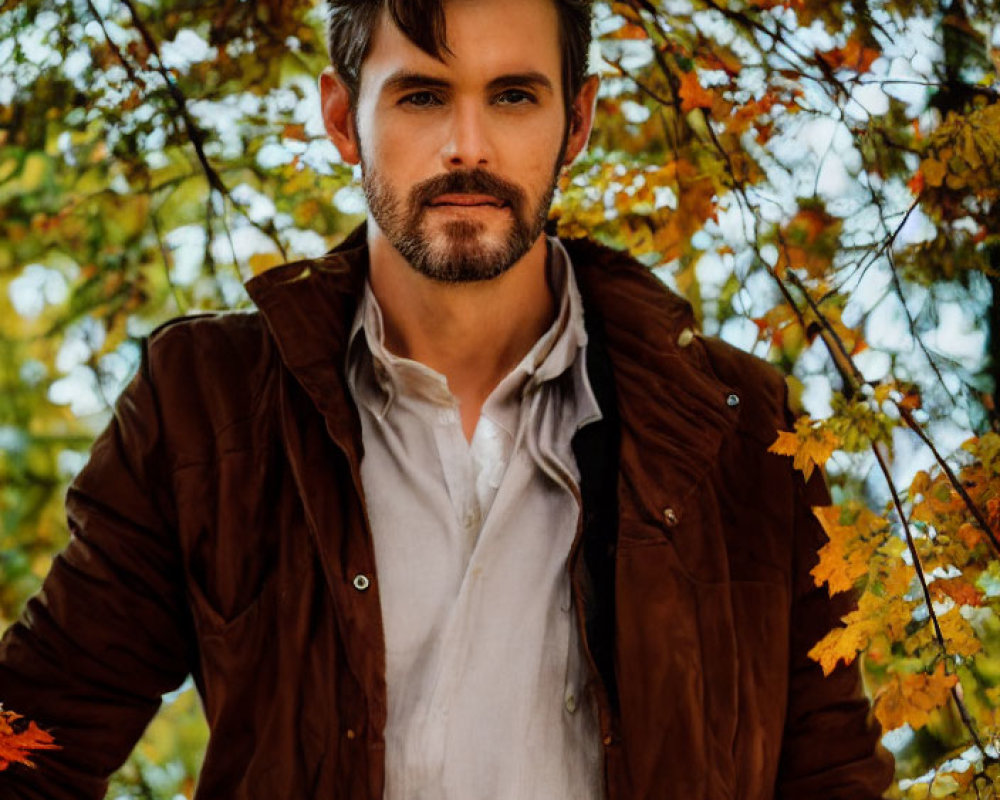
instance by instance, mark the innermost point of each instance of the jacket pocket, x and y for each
(211, 624)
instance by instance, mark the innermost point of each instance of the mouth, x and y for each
(467, 201)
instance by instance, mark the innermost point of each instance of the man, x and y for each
(462, 511)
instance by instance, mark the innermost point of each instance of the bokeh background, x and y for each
(819, 178)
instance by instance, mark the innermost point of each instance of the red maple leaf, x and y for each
(18, 740)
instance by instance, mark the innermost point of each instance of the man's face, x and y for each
(459, 159)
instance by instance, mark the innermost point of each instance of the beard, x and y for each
(460, 251)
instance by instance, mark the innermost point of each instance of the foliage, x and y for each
(819, 179)
(19, 738)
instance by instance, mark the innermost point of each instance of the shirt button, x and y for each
(361, 582)
(670, 517)
(570, 703)
(607, 741)
(350, 733)
(733, 400)
(686, 337)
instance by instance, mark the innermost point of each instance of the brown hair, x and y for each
(350, 24)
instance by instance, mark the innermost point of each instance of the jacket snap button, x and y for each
(686, 337)
(361, 582)
(670, 517)
(733, 400)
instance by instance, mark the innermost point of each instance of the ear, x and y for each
(581, 118)
(338, 115)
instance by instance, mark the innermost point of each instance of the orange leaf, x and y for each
(850, 546)
(295, 131)
(811, 446)
(853, 55)
(916, 183)
(628, 31)
(912, 698)
(958, 589)
(874, 617)
(18, 740)
(693, 94)
(859, 57)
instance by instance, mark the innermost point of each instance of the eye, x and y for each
(420, 100)
(515, 97)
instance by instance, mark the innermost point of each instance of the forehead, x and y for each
(486, 39)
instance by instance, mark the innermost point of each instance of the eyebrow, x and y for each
(406, 80)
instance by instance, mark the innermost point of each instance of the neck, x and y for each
(473, 333)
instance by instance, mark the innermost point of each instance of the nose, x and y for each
(468, 145)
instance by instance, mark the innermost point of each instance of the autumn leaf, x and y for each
(874, 617)
(810, 446)
(18, 740)
(958, 633)
(933, 172)
(628, 31)
(910, 699)
(958, 589)
(261, 262)
(854, 534)
(693, 94)
(809, 241)
(854, 55)
(296, 132)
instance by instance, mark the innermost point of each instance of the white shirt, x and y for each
(487, 694)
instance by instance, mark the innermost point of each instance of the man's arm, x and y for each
(830, 749)
(109, 632)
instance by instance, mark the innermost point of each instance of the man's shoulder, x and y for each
(213, 339)
(215, 366)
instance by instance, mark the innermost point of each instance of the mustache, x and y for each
(472, 181)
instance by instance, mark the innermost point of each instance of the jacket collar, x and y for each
(673, 409)
(675, 413)
(309, 306)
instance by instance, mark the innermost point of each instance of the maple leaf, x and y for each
(958, 589)
(874, 617)
(912, 698)
(693, 94)
(854, 534)
(810, 446)
(958, 633)
(18, 740)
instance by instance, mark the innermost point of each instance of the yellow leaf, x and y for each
(33, 172)
(958, 633)
(933, 171)
(787, 444)
(912, 698)
(261, 262)
(845, 557)
(810, 446)
(945, 785)
(840, 644)
(874, 617)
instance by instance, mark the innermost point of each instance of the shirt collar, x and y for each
(377, 376)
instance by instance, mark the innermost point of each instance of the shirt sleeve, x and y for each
(109, 632)
(831, 744)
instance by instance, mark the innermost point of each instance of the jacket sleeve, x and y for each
(831, 747)
(109, 632)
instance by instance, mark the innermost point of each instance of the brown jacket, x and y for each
(220, 529)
